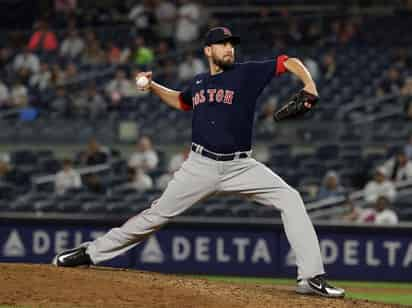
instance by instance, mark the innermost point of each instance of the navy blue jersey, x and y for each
(224, 104)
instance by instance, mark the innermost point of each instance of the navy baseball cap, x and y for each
(219, 35)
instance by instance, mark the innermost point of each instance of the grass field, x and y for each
(387, 297)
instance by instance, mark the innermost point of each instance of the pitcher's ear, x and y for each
(207, 51)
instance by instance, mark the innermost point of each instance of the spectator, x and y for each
(7, 173)
(312, 67)
(57, 75)
(188, 22)
(19, 95)
(328, 66)
(72, 46)
(65, 6)
(61, 104)
(141, 55)
(4, 94)
(95, 154)
(90, 104)
(174, 164)
(165, 13)
(5, 57)
(379, 186)
(407, 87)
(162, 52)
(43, 39)
(398, 167)
(265, 124)
(330, 186)
(67, 178)
(70, 73)
(385, 215)
(26, 63)
(294, 35)
(190, 67)
(138, 179)
(408, 148)
(119, 87)
(391, 84)
(142, 16)
(93, 54)
(145, 156)
(113, 53)
(42, 79)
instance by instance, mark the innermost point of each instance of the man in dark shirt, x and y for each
(223, 103)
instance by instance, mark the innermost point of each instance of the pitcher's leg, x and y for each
(193, 182)
(264, 186)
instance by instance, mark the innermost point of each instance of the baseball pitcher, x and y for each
(223, 103)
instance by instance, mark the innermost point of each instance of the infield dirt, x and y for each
(45, 286)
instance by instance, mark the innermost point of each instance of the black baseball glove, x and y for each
(296, 106)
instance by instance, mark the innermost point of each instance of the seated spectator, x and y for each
(90, 103)
(379, 186)
(143, 17)
(398, 167)
(95, 154)
(4, 94)
(138, 179)
(145, 157)
(265, 124)
(69, 74)
(358, 214)
(120, 87)
(7, 173)
(26, 63)
(42, 79)
(408, 148)
(385, 215)
(113, 53)
(328, 66)
(174, 164)
(190, 67)
(43, 39)
(407, 87)
(140, 54)
(391, 84)
(188, 22)
(313, 67)
(61, 104)
(72, 46)
(330, 186)
(19, 95)
(67, 178)
(93, 54)
(57, 75)
(165, 13)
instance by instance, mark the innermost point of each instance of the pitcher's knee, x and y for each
(291, 199)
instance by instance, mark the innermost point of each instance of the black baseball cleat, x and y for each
(73, 257)
(318, 285)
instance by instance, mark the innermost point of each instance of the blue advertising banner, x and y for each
(219, 249)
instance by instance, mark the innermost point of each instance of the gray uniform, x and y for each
(200, 177)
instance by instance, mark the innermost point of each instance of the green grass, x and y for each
(403, 299)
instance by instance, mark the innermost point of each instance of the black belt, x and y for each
(219, 157)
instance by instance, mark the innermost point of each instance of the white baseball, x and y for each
(142, 81)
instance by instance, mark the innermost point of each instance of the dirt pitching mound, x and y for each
(26, 285)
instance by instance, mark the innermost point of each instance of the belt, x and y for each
(219, 157)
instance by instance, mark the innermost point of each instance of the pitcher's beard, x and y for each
(223, 65)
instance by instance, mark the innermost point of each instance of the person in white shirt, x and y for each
(165, 13)
(26, 61)
(120, 87)
(67, 178)
(42, 79)
(379, 186)
(72, 46)
(145, 156)
(385, 215)
(19, 94)
(139, 180)
(188, 22)
(190, 67)
(398, 168)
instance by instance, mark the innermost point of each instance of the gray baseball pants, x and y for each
(200, 177)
